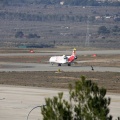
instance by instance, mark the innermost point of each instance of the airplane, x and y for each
(63, 59)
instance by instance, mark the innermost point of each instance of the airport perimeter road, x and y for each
(16, 102)
(53, 53)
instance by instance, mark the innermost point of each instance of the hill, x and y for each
(55, 25)
(64, 2)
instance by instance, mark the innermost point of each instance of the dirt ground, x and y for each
(108, 80)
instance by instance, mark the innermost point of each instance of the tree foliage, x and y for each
(103, 30)
(116, 28)
(86, 102)
(66, 2)
(33, 36)
(19, 34)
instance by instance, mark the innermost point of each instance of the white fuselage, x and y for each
(58, 59)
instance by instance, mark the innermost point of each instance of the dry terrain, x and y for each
(59, 25)
(109, 80)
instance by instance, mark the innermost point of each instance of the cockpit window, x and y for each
(64, 56)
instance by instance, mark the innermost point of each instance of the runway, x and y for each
(10, 66)
(16, 102)
(7, 67)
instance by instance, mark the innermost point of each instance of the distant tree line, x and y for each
(40, 46)
(91, 3)
(20, 34)
(66, 2)
(105, 30)
(42, 17)
(48, 17)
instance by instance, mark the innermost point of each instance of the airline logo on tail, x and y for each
(74, 52)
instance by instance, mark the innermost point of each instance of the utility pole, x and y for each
(87, 41)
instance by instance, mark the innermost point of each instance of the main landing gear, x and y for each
(69, 64)
(59, 64)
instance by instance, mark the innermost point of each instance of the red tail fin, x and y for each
(72, 57)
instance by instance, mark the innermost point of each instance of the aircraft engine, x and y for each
(75, 57)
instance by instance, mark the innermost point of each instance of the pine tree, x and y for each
(86, 102)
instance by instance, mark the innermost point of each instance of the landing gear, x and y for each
(59, 64)
(69, 64)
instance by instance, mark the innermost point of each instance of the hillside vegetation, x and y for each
(43, 25)
(65, 2)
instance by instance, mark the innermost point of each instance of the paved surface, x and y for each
(108, 52)
(49, 67)
(17, 102)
